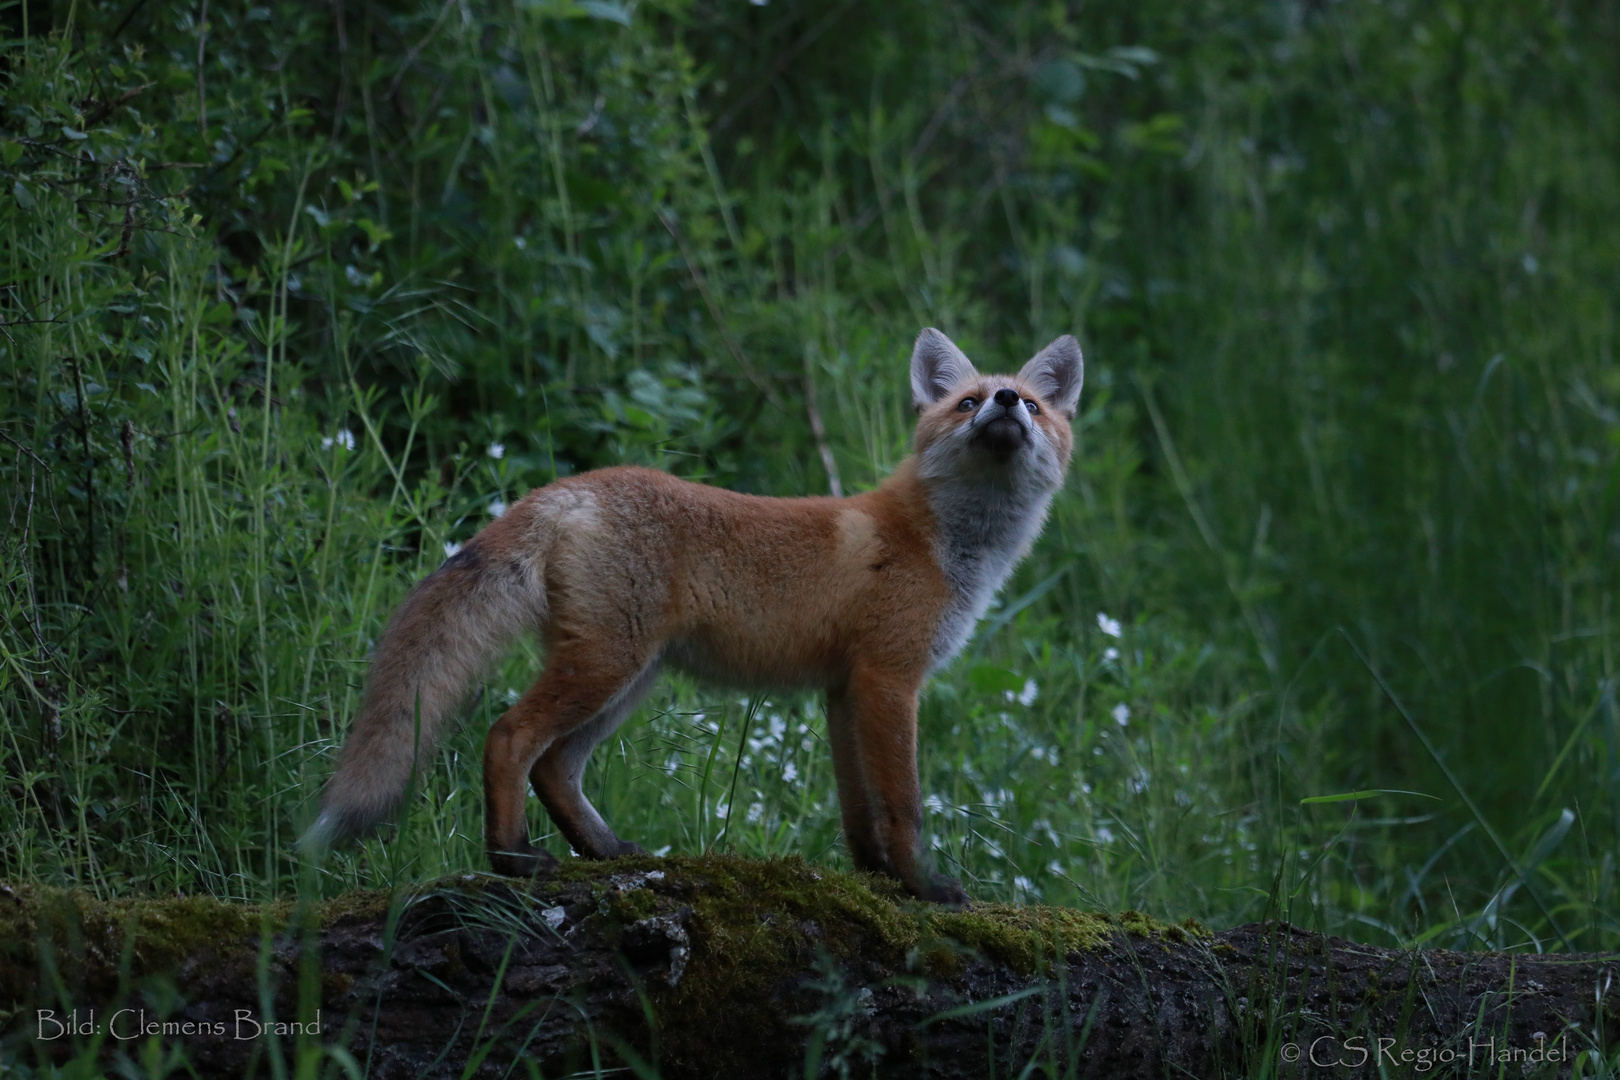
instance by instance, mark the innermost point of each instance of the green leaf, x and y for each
(10, 151)
(1356, 796)
(610, 10)
(1549, 840)
(989, 678)
(988, 1005)
(24, 197)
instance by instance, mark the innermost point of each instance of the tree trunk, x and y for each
(728, 967)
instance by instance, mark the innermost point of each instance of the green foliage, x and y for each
(295, 296)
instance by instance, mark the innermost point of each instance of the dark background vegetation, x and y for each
(296, 293)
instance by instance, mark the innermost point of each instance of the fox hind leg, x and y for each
(579, 684)
(556, 776)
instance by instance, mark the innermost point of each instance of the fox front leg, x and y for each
(880, 709)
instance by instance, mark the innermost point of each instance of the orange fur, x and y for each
(623, 569)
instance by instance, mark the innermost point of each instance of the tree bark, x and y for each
(728, 967)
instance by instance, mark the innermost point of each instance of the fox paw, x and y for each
(524, 862)
(947, 891)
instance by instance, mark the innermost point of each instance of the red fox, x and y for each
(623, 570)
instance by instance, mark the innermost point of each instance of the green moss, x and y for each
(359, 905)
(94, 933)
(628, 906)
(753, 922)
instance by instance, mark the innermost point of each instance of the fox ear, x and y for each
(1056, 373)
(936, 366)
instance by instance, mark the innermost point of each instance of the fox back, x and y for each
(622, 570)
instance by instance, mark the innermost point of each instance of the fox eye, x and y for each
(1029, 403)
(967, 404)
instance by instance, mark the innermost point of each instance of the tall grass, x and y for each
(283, 328)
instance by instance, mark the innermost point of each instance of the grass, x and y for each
(283, 324)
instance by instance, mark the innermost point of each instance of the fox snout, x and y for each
(1003, 426)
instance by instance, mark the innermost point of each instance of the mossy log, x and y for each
(729, 967)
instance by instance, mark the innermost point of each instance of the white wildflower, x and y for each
(1027, 696)
(497, 450)
(451, 548)
(1107, 625)
(790, 773)
(1122, 714)
(1110, 654)
(497, 508)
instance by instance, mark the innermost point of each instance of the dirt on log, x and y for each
(722, 966)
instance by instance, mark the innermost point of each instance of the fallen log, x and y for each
(721, 966)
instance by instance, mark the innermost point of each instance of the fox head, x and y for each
(1005, 430)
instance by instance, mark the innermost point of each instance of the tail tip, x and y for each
(320, 837)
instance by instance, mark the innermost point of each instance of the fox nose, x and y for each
(1006, 398)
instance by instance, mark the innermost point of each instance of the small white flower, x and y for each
(512, 696)
(1054, 868)
(1105, 834)
(1107, 625)
(1023, 884)
(755, 812)
(497, 508)
(1027, 696)
(326, 442)
(790, 773)
(1110, 654)
(497, 450)
(1122, 714)
(450, 548)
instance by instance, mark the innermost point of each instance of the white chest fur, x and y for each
(983, 530)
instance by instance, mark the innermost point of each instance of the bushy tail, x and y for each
(438, 642)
